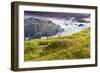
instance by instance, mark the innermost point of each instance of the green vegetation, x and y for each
(76, 46)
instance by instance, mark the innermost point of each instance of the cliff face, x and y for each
(37, 28)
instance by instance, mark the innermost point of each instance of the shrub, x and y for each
(60, 44)
(43, 43)
(29, 46)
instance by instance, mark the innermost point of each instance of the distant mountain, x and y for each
(37, 28)
(40, 26)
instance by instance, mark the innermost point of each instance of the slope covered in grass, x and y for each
(76, 46)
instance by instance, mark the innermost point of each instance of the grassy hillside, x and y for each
(76, 46)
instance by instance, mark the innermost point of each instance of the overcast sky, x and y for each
(57, 14)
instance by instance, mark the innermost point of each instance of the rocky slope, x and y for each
(37, 28)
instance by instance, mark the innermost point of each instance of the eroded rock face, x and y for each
(37, 28)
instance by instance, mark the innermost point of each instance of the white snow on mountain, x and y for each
(70, 26)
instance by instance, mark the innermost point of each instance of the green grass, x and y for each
(76, 46)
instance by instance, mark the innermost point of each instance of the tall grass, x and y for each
(76, 46)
